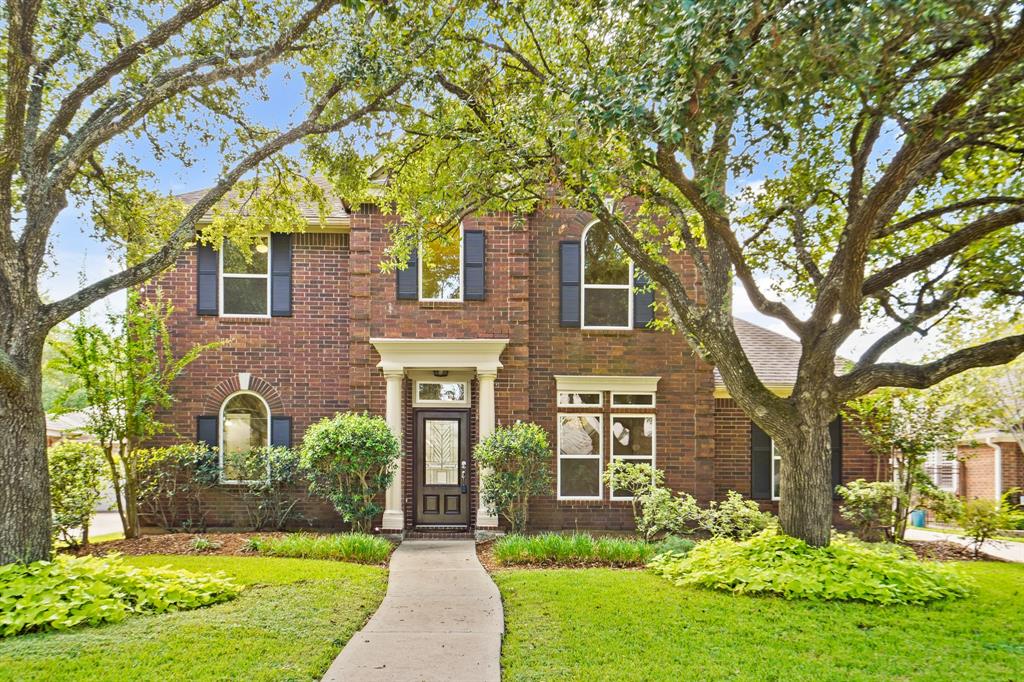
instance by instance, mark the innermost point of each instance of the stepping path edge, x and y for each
(441, 619)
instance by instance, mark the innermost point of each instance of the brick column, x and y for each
(394, 519)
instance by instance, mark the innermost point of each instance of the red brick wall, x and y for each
(977, 475)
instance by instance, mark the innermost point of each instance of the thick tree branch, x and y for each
(938, 211)
(864, 380)
(947, 247)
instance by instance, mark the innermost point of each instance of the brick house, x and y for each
(531, 318)
(987, 466)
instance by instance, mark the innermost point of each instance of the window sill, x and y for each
(440, 305)
(244, 320)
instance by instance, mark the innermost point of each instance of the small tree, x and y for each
(125, 372)
(76, 471)
(906, 426)
(349, 460)
(519, 458)
(267, 474)
(981, 520)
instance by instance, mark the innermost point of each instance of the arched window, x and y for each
(245, 425)
(607, 281)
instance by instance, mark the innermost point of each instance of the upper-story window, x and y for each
(607, 281)
(441, 268)
(245, 284)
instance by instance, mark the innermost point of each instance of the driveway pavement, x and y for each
(1007, 551)
(440, 620)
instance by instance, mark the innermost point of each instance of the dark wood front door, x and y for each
(442, 468)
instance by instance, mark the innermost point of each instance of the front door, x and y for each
(442, 468)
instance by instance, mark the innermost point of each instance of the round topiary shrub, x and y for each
(847, 570)
(349, 460)
(518, 458)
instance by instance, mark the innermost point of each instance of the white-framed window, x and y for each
(944, 470)
(245, 284)
(634, 440)
(580, 456)
(776, 472)
(639, 400)
(441, 392)
(244, 426)
(607, 276)
(575, 399)
(440, 268)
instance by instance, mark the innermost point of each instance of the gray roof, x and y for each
(774, 357)
(336, 207)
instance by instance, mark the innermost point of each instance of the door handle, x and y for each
(462, 476)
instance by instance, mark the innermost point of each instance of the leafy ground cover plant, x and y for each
(71, 591)
(554, 549)
(201, 544)
(846, 570)
(360, 548)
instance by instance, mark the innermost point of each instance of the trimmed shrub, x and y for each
(71, 591)
(349, 459)
(554, 549)
(266, 475)
(734, 518)
(76, 470)
(172, 482)
(519, 459)
(846, 570)
(868, 506)
(358, 548)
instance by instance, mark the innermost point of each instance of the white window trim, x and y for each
(573, 383)
(417, 402)
(599, 404)
(462, 272)
(628, 286)
(613, 456)
(775, 497)
(220, 437)
(599, 457)
(654, 400)
(220, 283)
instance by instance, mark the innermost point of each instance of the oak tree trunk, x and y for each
(24, 477)
(805, 504)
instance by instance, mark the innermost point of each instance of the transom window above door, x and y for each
(441, 393)
(607, 281)
(441, 268)
(245, 283)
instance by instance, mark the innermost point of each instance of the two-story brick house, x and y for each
(536, 318)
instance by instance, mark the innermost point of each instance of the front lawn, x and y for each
(289, 623)
(627, 625)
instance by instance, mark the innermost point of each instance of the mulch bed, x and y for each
(177, 543)
(946, 551)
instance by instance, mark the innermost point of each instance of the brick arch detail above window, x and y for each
(262, 387)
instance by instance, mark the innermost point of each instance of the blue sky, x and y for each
(77, 254)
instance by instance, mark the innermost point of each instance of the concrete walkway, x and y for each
(440, 620)
(1001, 549)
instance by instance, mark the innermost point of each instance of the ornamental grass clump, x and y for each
(576, 549)
(360, 548)
(71, 591)
(846, 570)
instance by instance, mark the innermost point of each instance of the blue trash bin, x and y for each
(917, 518)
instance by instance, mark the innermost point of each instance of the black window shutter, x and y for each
(206, 431)
(280, 274)
(835, 432)
(206, 283)
(281, 431)
(569, 283)
(473, 265)
(407, 281)
(760, 463)
(643, 313)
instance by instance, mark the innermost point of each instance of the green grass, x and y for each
(602, 624)
(356, 547)
(289, 623)
(570, 550)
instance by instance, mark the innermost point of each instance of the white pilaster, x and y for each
(394, 518)
(485, 412)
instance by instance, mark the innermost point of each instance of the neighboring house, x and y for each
(520, 319)
(70, 426)
(991, 463)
